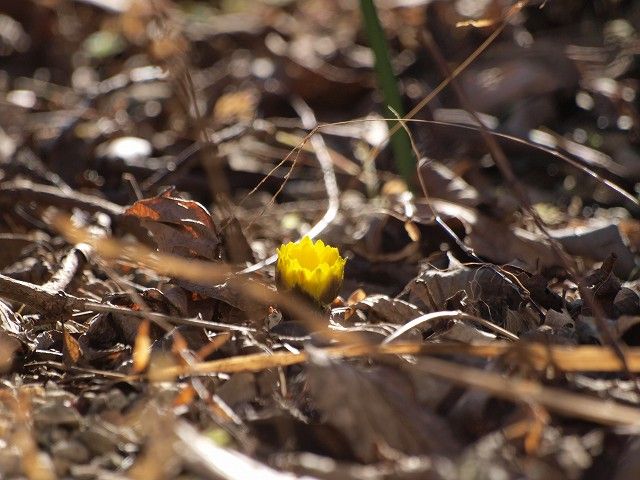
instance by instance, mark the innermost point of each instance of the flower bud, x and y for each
(314, 269)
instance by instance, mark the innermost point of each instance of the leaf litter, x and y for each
(154, 155)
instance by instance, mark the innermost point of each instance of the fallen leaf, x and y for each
(477, 285)
(375, 408)
(179, 227)
(71, 351)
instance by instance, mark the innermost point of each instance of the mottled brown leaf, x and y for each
(180, 227)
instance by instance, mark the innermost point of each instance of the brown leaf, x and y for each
(375, 408)
(71, 351)
(626, 302)
(185, 396)
(9, 345)
(384, 309)
(434, 288)
(180, 227)
(236, 246)
(517, 246)
(597, 240)
(441, 182)
(356, 296)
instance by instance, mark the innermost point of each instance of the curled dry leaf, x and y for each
(179, 227)
(71, 351)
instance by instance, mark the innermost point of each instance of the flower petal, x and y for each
(316, 269)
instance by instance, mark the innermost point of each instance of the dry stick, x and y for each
(297, 150)
(11, 192)
(529, 391)
(54, 302)
(579, 359)
(451, 314)
(69, 266)
(50, 303)
(38, 169)
(518, 390)
(89, 305)
(512, 181)
(584, 358)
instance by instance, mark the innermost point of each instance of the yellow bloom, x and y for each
(315, 269)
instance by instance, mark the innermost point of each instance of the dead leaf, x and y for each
(384, 309)
(626, 302)
(179, 227)
(356, 296)
(375, 408)
(596, 241)
(71, 351)
(236, 246)
(477, 285)
(440, 181)
(9, 345)
(185, 396)
(521, 320)
(234, 107)
(521, 247)
(215, 344)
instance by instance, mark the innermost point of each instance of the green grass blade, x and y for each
(400, 142)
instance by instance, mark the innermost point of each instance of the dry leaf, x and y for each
(384, 309)
(375, 408)
(71, 351)
(357, 296)
(179, 227)
(483, 284)
(185, 396)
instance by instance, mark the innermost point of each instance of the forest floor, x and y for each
(156, 155)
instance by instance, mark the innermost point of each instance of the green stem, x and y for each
(400, 142)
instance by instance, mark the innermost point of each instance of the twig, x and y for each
(69, 266)
(452, 314)
(50, 303)
(54, 304)
(10, 192)
(583, 358)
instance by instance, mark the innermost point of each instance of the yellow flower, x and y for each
(315, 269)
